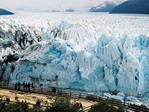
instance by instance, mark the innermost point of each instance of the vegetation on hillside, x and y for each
(60, 104)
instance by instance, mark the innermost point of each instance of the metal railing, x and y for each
(75, 93)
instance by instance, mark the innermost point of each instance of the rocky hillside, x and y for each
(133, 6)
(5, 12)
(105, 7)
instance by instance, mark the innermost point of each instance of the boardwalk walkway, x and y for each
(43, 93)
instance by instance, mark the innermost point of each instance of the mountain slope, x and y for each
(5, 12)
(105, 7)
(70, 10)
(133, 6)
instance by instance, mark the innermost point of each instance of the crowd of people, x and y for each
(27, 87)
(24, 86)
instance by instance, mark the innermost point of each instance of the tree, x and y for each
(63, 104)
(103, 107)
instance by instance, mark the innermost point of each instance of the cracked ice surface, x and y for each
(87, 51)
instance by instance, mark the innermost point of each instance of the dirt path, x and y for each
(32, 97)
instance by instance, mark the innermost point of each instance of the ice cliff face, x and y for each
(87, 51)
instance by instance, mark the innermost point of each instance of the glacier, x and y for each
(88, 51)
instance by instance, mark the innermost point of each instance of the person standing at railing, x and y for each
(33, 88)
(54, 90)
(56, 79)
(16, 84)
(59, 91)
(23, 86)
(28, 86)
(19, 86)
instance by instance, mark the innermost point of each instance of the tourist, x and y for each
(33, 87)
(16, 84)
(23, 86)
(19, 86)
(54, 90)
(28, 86)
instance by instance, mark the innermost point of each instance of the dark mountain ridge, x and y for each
(105, 7)
(5, 12)
(133, 6)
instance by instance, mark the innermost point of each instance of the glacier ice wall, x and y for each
(87, 51)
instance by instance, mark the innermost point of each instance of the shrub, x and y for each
(16, 98)
(63, 104)
(7, 100)
(92, 98)
(103, 107)
(15, 107)
(1, 97)
(18, 107)
(35, 110)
